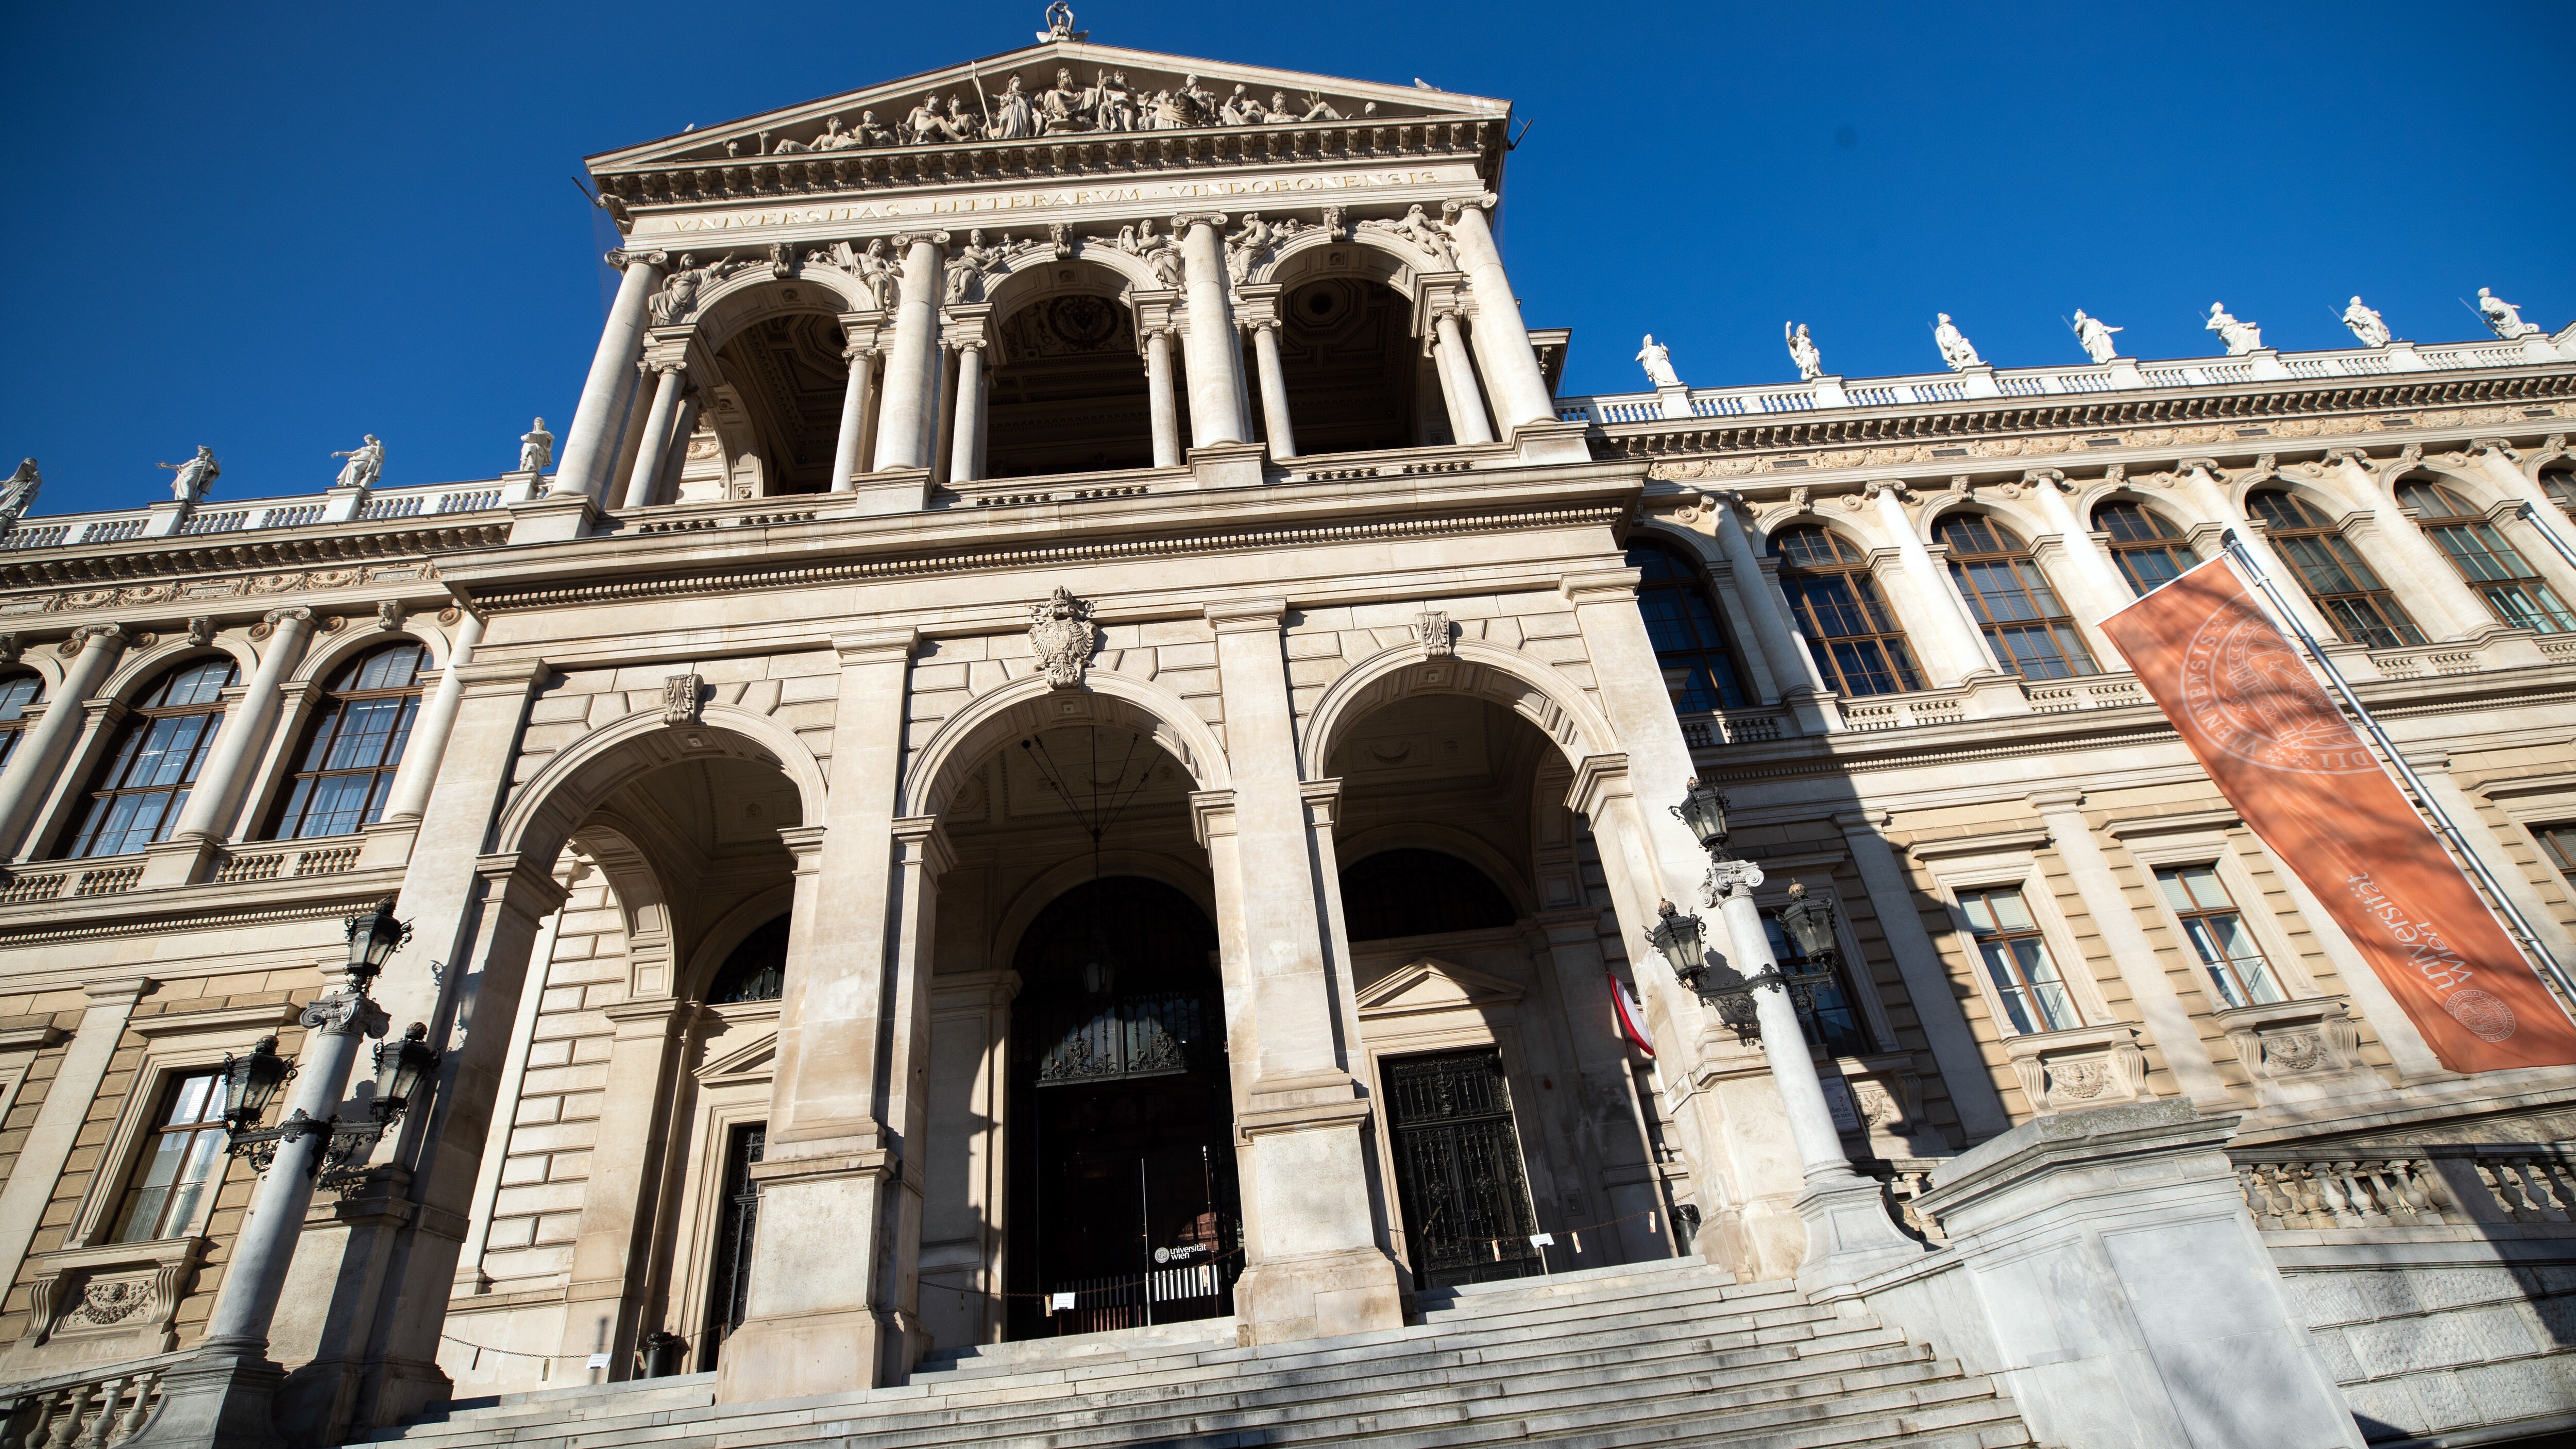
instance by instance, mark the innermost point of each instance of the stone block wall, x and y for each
(2423, 1348)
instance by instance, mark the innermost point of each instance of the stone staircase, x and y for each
(1664, 1353)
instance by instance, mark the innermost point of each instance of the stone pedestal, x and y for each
(553, 518)
(218, 1398)
(1227, 465)
(889, 490)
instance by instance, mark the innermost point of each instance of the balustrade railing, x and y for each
(38, 883)
(98, 1409)
(1736, 727)
(288, 863)
(2321, 1188)
(121, 527)
(1902, 1182)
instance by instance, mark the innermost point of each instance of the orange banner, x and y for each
(2305, 781)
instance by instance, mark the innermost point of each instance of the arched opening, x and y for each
(1858, 646)
(755, 970)
(1068, 390)
(2027, 629)
(2560, 485)
(137, 791)
(1419, 893)
(1691, 644)
(17, 691)
(1356, 376)
(2516, 594)
(1124, 1154)
(345, 764)
(2148, 550)
(777, 403)
(2342, 586)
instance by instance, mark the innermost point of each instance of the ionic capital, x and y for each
(299, 615)
(621, 258)
(1184, 221)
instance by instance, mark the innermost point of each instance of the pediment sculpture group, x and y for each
(1108, 104)
(2094, 335)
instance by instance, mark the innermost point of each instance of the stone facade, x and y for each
(843, 567)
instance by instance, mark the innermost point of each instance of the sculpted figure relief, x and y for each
(1246, 246)
(2366, 324)
(1803, 351)
(1657, 359)
(926, 123)
(967, 269)
(687, 283)
(19, 494)
(2240, 337)
(195, 476)
(1061, 632)
(2503, 318)
(2095, 335)
(1955, 347)
(1014, 118)
(1418, 228)
(366, 464)
(536, 449)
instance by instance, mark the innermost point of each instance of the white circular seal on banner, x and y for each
(2244, 688)
(2487, 1018)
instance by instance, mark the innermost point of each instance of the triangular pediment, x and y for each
(1094, 68)
(754, 1059)
(1428, 984)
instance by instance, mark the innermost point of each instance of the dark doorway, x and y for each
(1122, 1117)
(1458, 1169)
(1352, 367)
(737, 1222)
(1068, 391)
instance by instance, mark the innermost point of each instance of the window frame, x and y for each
(1903, 671)
(2371, 592)
(2559, 486)
(2167, 542)
(110, 760)
(2235, 852)
(2515, 593)
(175, 1044)
(2223, 974)
(1964, 866)
(2064, 632)
(14, 726)
(1693, 579)
(206, 1129)
(332, 707)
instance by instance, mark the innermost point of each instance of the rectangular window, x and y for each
(2017, 961)
(2217, 932)
(183, 1160)
(2560, 842)
(1830, 1017)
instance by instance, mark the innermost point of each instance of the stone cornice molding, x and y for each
(346, 545)
(876, 646)
(1247, 616)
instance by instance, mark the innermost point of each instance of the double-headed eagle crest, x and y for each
(1061, 631)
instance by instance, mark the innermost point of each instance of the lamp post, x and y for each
(221, 1395)
(1849, 1233)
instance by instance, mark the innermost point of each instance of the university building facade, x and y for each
(1078, 744)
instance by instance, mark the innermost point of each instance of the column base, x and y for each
(219, 1398)
(1849, 1234)
(1329, 1295)
(552, 518)
(1551, 442)
(888, 490)
(180, 860)
(795, 1355)
(1228, 465)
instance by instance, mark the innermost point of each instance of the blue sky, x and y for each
(273, 228)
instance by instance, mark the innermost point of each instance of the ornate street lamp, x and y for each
(1703, 809)
(373, 939)
(400, 1070)
(1809, 923)
(251, 1083)
(1680, 939)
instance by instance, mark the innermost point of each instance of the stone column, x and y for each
(1502, 339)
(31, 774)
(1792, 662)
(618, 1201)
(1927, 980)
(855, 397)
(1314, 1246)
(1615, 1138)
(902, 438)
(1953, 650)
(65, 1110)
(943, 401)
(675, 456)
(671, 375)
(1458, 383)
(590, 443)
(835, 1160)
(1159, 400)
(921, 857)
(421, 754)
(243, 735)
(2168, 1022)
(1215, 365)
(2093, 586)
(2425, 580)
(966, 456)
(2198, 483)
(1274, 389)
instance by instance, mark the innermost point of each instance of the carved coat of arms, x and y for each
(1061, 631)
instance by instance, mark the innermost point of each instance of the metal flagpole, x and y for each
(2547, 534)
(2515, 924)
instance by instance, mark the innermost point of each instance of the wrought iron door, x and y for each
(1458, 1167)
(737, 1224)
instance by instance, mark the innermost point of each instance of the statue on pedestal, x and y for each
(1657, 359)
(2503, 318)
(195, 476)
(19, 494)
(2366, 324)
(1803, 351)
(1014, 118)
(1955, 347)
(536, 449)
(366, 464)
(2240, 337)
(2095, 335)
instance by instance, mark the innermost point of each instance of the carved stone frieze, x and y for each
(1061, 631)
(2079, 1068)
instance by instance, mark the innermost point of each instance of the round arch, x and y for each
(1309, 253)
(1447, 840)
(1093, 269)
(137, 670)
(1528, 688)
(2025, 523)
(320, 662)
(1692, 544)
(545, 813)
(643, 907)
(2329, 501)
(758, 292)
(1852, 531)
(1034, 897)
(724, 933)
(2480, 492)
(46, 663)
(1025, 706)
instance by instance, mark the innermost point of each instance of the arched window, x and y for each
(756, 970)
(1858, 647)
(2149, 550)
(1690, 643)
(2029, 630)
(136, 797)
(1418, 893)
(2561, 487)
(2514, 594)
(2345, 590)
(17, 691)
(346, 767)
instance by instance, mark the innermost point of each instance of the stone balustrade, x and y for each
(2329, 1188)
(113, 875)
(96, 1408)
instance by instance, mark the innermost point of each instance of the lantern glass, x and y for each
(251, 1082)
(1678, 937)
(1809, 922)
(1703, 809)
(373, 939)
(399, 1072)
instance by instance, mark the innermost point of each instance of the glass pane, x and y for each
(191, 1102)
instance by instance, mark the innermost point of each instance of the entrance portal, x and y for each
(1124, 1203)
(1458, 1169)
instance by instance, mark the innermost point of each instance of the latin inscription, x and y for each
(1007, 202)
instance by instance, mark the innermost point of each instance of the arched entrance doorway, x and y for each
(1125, 1211)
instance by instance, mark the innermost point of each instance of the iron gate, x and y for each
(1458, 1166)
